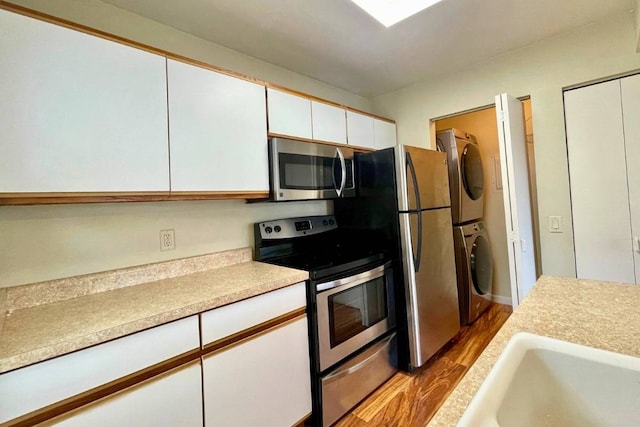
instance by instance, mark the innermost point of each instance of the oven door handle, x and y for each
(352, 280)
(351, 369)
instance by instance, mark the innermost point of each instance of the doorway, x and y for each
(482, 124)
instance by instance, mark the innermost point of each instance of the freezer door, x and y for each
(423, 180)
(430, 280)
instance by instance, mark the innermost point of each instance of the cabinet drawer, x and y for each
(33, 387)
(233, 318)
(171, 399)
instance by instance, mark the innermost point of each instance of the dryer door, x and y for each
(481, 264)
(471, 171)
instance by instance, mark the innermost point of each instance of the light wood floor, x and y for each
(413, 399)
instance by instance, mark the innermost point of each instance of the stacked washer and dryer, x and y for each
(474, 262)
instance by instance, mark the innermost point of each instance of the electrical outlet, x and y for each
(167, 240)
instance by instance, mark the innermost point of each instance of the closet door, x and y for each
(598, 176)
(631, 109)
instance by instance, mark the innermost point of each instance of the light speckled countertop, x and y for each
(121, 302)
(597, 314)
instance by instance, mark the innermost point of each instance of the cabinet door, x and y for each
(289, 114)
(172, 399)
(631, 109)
(217, 131)
(360, 130)
(79, 113)
(384, 134)
(33, 387)
(264, 381)
(598, 176)
(329, 123)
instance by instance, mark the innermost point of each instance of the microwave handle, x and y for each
(343, 174)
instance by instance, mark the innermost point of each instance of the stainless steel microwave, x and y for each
(307, 171)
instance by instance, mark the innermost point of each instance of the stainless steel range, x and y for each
(351, 308)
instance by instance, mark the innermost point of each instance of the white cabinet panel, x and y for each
(289, 114)
(79, 113)
(224, 321)
(217, 131)
(172, 399)
(262, 382)
(384, 134)
(329, 123)
(33, 387)
(598, 174)
(631, 109)
(360, 130)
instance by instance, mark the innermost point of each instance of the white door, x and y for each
(631, 109)
(264, 381)
(360, 130)
(517, 200)
(171, 399)
(329, 123)
(79, 113)
(217, 131)
(598, 177)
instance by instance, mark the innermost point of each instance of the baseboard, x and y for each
(501, 300)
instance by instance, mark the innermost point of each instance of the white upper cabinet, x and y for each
(360, 130)
(384, 134)
(79, 113)
(217, 131)
(329, 123)
(289, 114)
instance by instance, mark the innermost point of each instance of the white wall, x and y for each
(46, 242)
(540, 70)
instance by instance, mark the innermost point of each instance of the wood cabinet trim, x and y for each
(253, 332)
(100, 392)
(14, 199)
(169, 55)
(85, 398)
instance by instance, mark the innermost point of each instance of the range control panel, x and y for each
(296, 227)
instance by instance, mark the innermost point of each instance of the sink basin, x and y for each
(540, 381)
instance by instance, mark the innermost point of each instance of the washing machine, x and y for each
(474, 267)
(466, 178)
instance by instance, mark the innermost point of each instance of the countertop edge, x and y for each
(23, 359)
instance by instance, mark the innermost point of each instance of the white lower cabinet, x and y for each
(31, 388)
(172, 399)
(263, 381)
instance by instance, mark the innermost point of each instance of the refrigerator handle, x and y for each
(412, 170)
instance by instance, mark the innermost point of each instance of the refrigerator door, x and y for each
(430, 280)
(423, 179)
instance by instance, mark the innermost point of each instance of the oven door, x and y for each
(352, 312)
(304, 170)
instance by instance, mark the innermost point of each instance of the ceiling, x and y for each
(334, 41)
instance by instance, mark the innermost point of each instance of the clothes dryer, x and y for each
(466, 178)
(474, 266)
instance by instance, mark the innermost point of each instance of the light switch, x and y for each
(555, 224)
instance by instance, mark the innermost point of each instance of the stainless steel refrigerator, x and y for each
(403, 207)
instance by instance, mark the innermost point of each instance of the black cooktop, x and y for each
(314, 244)
(326, 265)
